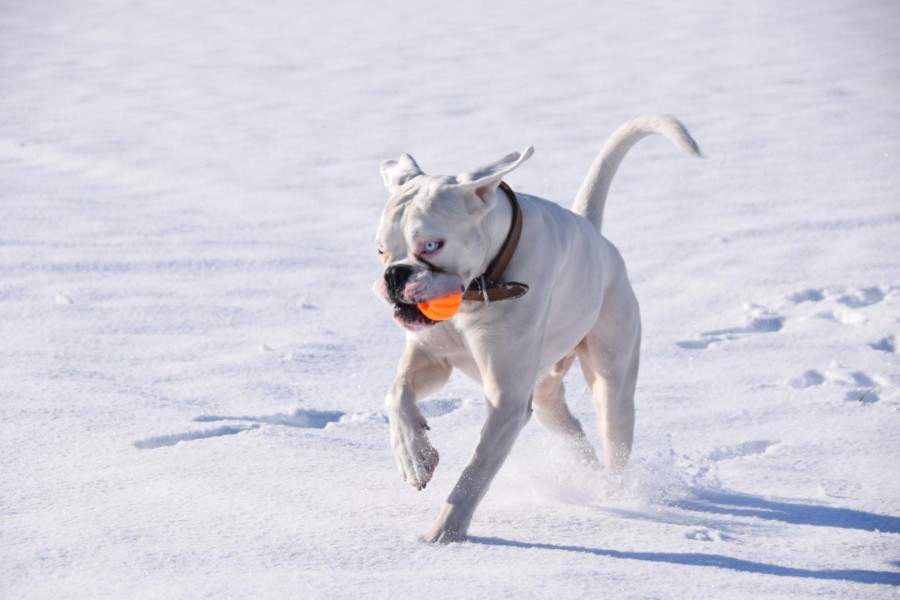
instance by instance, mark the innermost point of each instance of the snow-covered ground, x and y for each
(192, 363)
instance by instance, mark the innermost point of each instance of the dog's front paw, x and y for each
(444, 535)
(416, 457)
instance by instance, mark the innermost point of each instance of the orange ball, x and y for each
(441, 309)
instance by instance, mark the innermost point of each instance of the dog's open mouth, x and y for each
(410, 317)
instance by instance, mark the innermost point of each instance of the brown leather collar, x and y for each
(487, 287)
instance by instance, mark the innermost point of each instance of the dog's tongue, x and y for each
(441, 309)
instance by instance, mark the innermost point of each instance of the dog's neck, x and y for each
(496, 227)
(491, 285)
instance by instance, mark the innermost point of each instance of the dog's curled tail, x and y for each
(591, 198)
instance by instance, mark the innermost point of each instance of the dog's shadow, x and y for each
(742, 505)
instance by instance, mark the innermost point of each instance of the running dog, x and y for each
(540, 286)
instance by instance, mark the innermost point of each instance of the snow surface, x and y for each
(192, 362)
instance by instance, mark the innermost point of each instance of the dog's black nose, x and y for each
(396, 277)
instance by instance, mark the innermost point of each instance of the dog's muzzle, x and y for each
(395, 278)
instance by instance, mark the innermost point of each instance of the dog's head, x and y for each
(432, 236)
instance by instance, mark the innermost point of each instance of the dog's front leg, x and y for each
(418, 374)
(509, 408)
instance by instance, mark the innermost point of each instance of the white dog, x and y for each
(541, 287)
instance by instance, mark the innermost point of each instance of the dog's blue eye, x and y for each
(431, 247)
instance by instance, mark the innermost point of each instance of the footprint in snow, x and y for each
(807, 295)
(885, 344)
(809, 378)
(852, 297)
(868, 396)
(308, 419)
(859, 298)
(303, 418)
(862, 386)
(759, 320)
(845, 304)
(171, 440)
(438, 407)
(701, 534)
(851, 306)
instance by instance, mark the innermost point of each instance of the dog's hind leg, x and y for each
(609, 357)
(551, 410)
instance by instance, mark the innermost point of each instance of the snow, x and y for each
(192, 362)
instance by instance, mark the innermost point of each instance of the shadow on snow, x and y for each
(697, 559)
(742, 505)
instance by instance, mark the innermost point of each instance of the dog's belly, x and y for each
(577, 265)
(560, 339)
(567, 325)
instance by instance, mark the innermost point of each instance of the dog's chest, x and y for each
(448, 343)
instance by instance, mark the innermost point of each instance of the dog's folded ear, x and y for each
(397, 172)
(482, 182)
